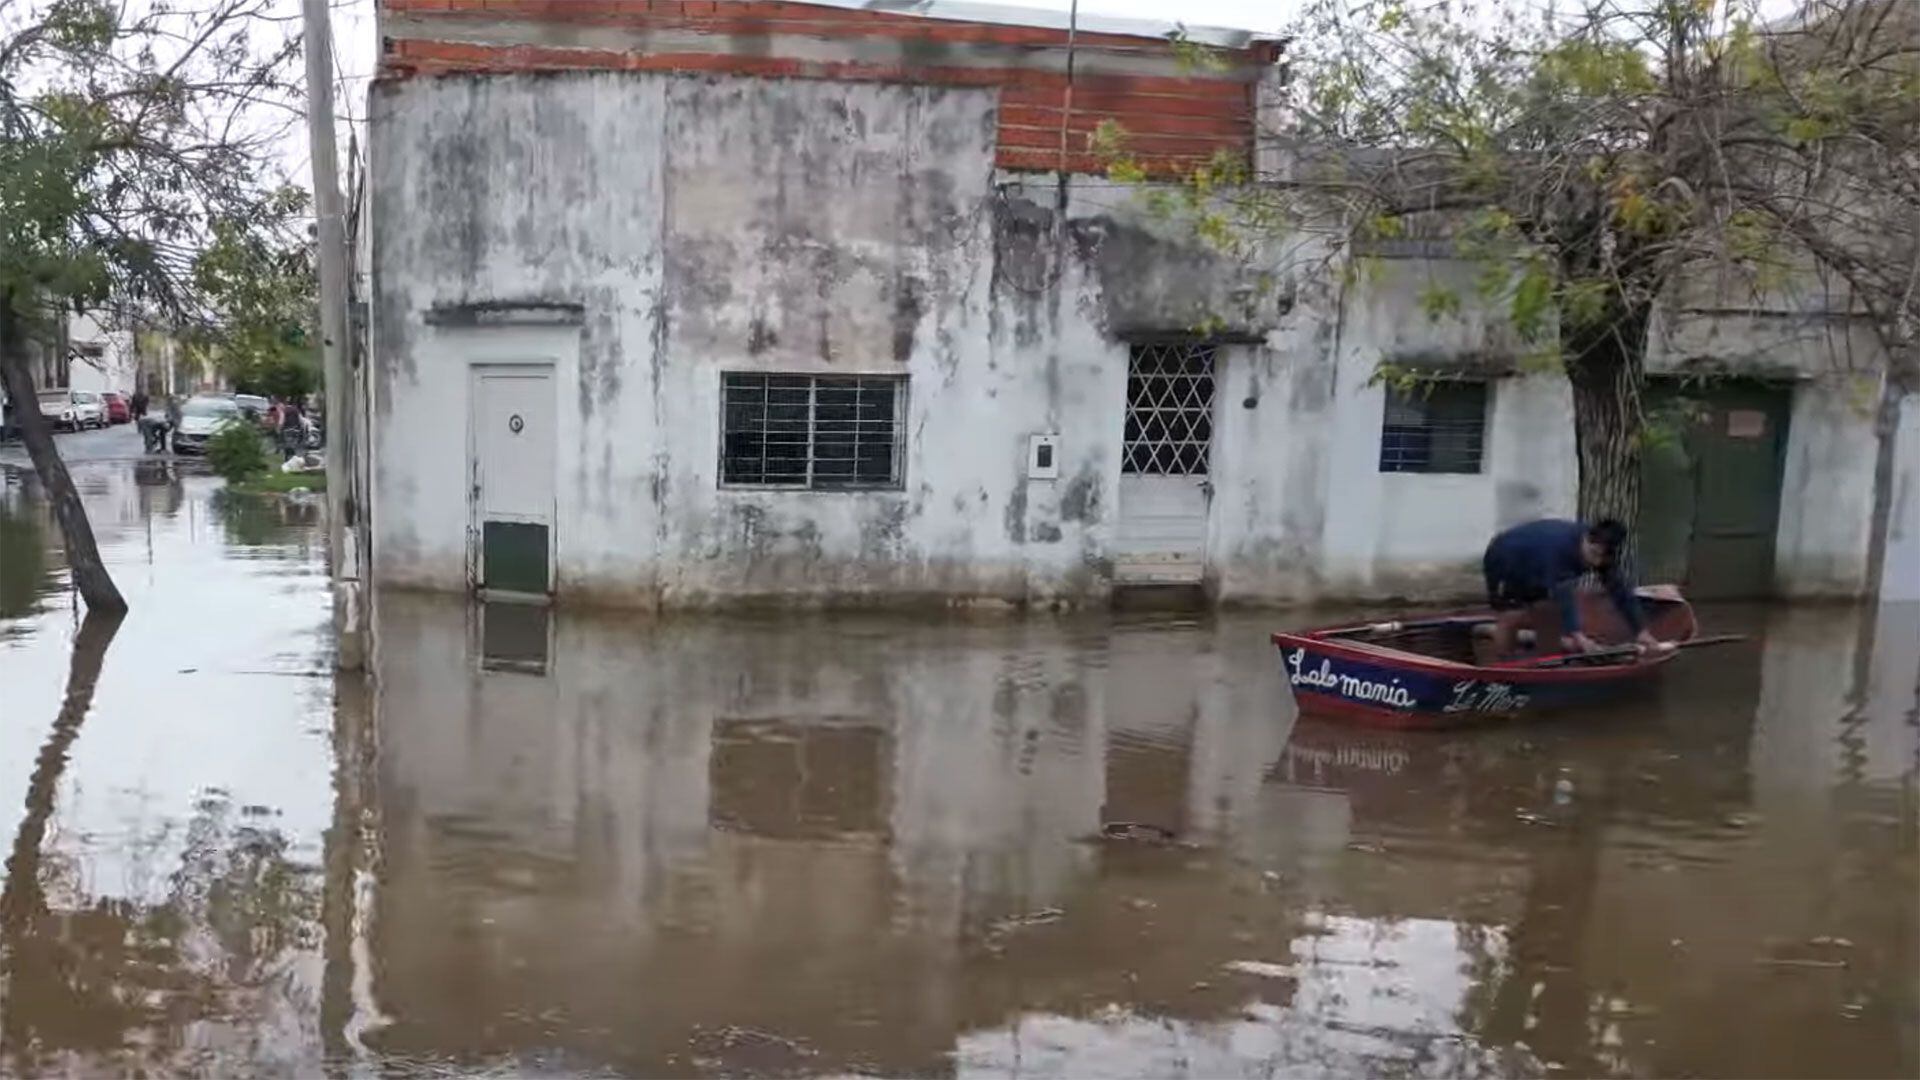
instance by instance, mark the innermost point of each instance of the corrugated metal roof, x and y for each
(1049, 19)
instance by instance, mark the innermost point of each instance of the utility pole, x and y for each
(343, 556)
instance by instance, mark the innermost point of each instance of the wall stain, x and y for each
(1025, 265)
(1081, 500)
(760, 336)
(909, 307)
(883, 536)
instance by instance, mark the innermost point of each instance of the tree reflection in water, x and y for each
(268, 520)
(145, 986)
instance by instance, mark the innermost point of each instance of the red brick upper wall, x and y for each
(1176, 114)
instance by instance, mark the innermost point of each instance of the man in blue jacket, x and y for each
(1546, 560)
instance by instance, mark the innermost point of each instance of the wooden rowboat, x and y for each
(1438, 671)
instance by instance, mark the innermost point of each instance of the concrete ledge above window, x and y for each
(507, 313)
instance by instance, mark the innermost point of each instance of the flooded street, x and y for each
(1085, 846)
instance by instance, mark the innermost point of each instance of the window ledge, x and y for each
(782, 489)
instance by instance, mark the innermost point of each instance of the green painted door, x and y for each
(1710, 503)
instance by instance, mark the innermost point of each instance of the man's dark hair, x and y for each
(1608, 533)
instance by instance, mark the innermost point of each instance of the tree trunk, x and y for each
(1607, 370)
(83, 555)
(1902, 379)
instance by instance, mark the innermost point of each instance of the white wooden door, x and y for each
(1165, 485)
(512, 454)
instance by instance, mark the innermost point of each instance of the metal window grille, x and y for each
(1169, 410)
(815, 432)
(1438, 427)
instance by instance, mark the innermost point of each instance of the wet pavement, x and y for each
(119, 442)
(1088, 846)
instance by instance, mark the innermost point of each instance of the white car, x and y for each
(75, 410)
(200, 417)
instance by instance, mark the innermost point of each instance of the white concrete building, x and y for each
(821, 305)
(101, 358)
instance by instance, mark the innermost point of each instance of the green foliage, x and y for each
(1665, 424)
(1583, 301)
(237, 452)
(1532, 306)
(1108, 140)
(287, 378)
(1596, 68)
(1544, 358)
(1439, 302)
(1409, 380)
(127, 139)
(266, 297)
(1207, 324)
(1395, 376)
(1194, 56)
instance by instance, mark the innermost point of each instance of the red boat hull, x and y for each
(1373, 679)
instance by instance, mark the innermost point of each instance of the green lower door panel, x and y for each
(513, 557)
(1710, 498)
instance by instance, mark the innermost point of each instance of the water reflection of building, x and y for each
(821, 836)
(690, 845)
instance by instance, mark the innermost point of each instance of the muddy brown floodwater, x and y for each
(830, 845)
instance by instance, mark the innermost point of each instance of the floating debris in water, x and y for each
(1138, 832)
(1032, 918)
(1262, 968)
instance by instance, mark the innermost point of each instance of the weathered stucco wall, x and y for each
(519, 190)
(708, 225)
(705, 224)
(1422, 535)
(1900, 578)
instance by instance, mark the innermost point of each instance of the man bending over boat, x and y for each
(1545, 560)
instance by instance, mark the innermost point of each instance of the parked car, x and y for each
(117, 409)
(200, 417)
(74, 410)
(254, 406)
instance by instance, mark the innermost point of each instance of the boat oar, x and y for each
(1620, 652)
(1398, 627)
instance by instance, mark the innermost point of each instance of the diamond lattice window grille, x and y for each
(1169, 429)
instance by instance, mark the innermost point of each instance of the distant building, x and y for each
(698, 304)
(101, 356)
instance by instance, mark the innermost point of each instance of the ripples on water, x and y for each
(1054, 847)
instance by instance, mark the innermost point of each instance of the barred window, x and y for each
(819, 432)
(1169, 429)
(1436, 427)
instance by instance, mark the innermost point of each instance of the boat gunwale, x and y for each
(1317, 640)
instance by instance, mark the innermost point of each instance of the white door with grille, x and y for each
(1164, 471)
